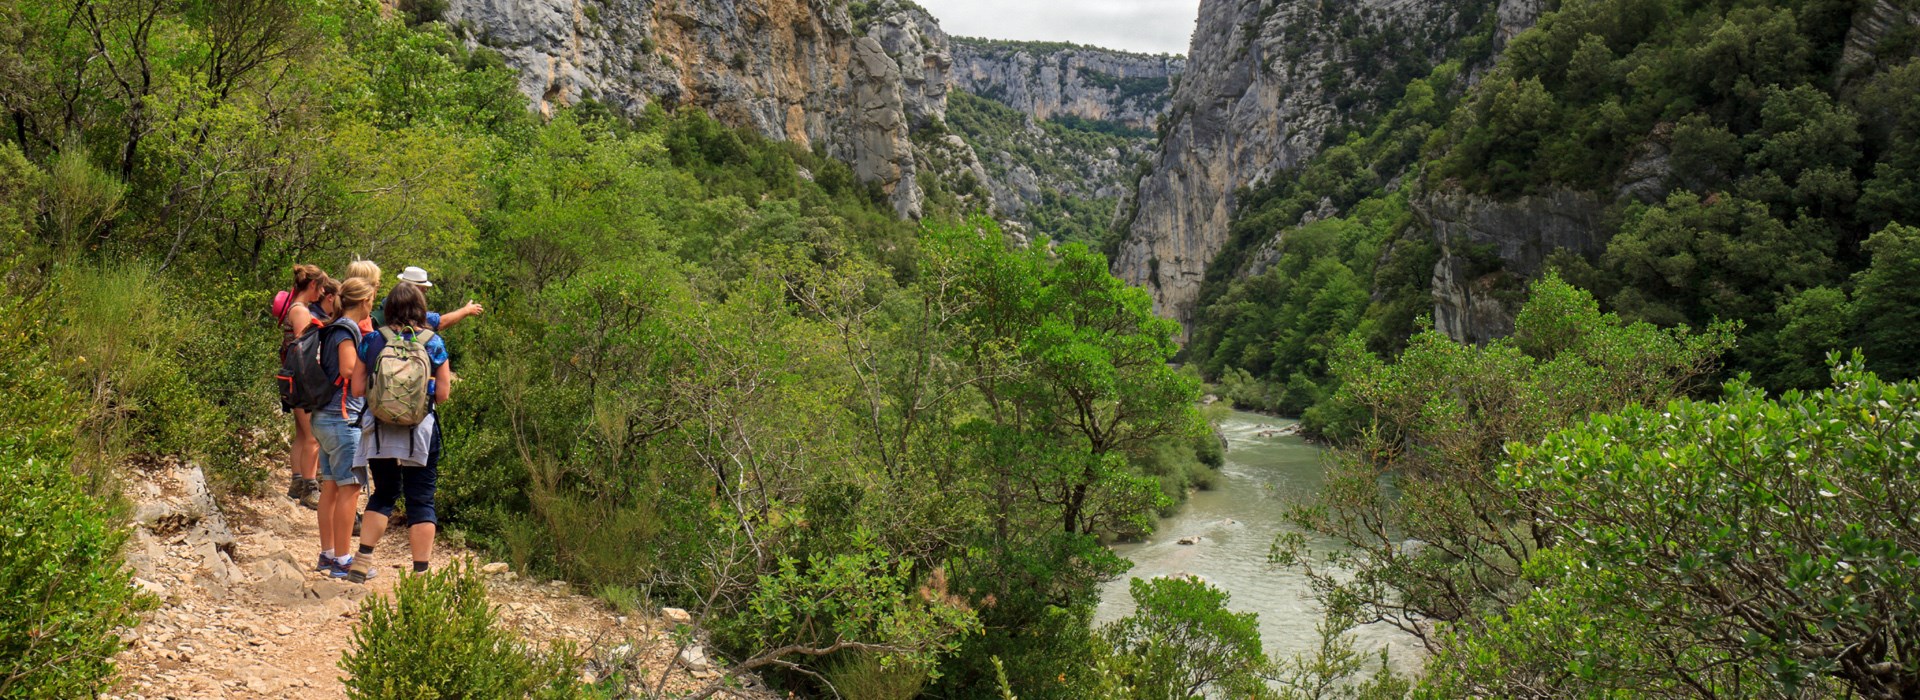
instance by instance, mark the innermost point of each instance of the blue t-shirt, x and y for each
(373, 343)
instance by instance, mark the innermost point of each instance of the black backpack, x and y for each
(304, 380)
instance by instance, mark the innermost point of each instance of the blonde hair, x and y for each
(366, 270)
(354, 292)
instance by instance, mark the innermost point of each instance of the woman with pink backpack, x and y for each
(298, 309)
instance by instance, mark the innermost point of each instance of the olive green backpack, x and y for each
(397, 392)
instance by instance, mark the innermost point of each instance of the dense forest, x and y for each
(1758, 171)
(717, 372)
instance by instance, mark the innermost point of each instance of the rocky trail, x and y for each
(241, 614)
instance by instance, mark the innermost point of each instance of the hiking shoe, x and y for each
(311, 500)
(326, 563)
(362, 569)
(296, 487)
(335, 570)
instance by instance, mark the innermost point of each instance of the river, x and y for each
(1237, 522)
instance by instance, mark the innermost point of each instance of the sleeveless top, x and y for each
(282, 306)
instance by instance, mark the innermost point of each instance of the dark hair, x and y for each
(406, 306)
(304, 276)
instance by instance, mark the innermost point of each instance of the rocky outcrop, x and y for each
(1048, 80)
(798, 70)
(1873, 22)
(1266, 83)
(1488, 246)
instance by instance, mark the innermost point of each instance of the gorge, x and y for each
(814, 352)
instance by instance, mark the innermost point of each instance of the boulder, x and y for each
(278, 581)
(676, 616)
(694, 658)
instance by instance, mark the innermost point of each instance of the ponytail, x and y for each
(304, 276)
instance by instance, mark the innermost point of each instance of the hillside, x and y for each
(854, 81)
(717, 369)
(1269, 85)
(1446, 193)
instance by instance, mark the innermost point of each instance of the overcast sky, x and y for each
(1148, 26)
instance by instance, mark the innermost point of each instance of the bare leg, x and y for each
(296, 453)
(420, 537)
(305, 454)
(346, 500)
(373, 526)
(329, 495)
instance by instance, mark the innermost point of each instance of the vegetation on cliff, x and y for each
(715, 371)
(1753, 155)
(1062, 177)
(1545, 516)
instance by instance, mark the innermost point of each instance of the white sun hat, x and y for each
(416, 276)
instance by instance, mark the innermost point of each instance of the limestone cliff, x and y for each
(1050, 80)
(1267, 83)
(807, 71)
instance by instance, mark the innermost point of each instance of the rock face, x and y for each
(1873, 22)
(799, 70)
(1521, 233)
(1049, 80)
(1266, 83)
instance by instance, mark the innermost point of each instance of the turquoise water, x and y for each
(1236, 524)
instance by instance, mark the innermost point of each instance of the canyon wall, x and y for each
(853, 83)
(1267, 83)
(1065, 80)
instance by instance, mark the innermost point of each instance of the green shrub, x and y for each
(62, 589)
(437, 638)
(868, 677)
(1182, 641)
(625, 600)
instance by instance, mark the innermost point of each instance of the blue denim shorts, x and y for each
(339, 446)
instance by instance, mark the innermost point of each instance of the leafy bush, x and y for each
(1765, 541)
(63, 592)
(438, 638)
(1182, 642)
(130, 359)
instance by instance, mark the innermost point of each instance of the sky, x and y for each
(1146, 26)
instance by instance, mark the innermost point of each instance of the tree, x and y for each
(1183, 643)
(1754, 539)
(1070, 369)
(1435, 537)
(1886, 307)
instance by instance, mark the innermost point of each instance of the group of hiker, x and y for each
(362, 383)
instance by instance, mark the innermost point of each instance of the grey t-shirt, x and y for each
(410, 444)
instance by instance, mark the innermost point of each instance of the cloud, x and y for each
(1149, 26)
